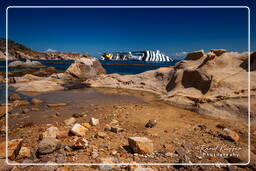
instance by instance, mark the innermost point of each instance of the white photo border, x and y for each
(119, 164)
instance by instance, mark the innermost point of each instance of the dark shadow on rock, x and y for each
(244, 64)
(128, 149)
(196, 79)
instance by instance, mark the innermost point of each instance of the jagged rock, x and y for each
(195, 55)
(36, 101)
(25, 152)
(70, 121)
(14, 96)
(141, 145)
(79, 143)
(48, 145)
(151, 123)
(78, 130)
(218, 52)
(84, 68)
(94, 121)
(13, 148)
(51, 132)
(231, 135)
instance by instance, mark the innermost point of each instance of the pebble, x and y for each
(94, 121)
(151, 123)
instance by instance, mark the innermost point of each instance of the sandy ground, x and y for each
(178, 137)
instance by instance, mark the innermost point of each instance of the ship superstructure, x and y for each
(147, 55)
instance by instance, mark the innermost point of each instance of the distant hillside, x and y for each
(19, 51)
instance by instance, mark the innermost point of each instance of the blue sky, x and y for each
(98, 30)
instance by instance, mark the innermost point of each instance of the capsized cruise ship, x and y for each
(147, 55)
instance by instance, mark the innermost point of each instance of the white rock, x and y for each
(94, 121)
(51, 132)
(78, 130)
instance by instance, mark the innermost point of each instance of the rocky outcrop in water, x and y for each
(27, 64)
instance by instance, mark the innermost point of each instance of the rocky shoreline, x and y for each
(213, 84)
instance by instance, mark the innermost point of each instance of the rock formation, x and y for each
(215, 83)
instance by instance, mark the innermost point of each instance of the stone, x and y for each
(84, 68)
(116, 129)
(70, 121)
(231, 135)
(78, 130)
(79, 143)
(86, 125)
(25, 152)
(77, 115)
(141, 145)
(36, 101)
(107, 127)
(51, 132)
(94, 121)
(218, 52)
(57, 105)
(100, 135)
(13, 148)
(14, 96)
(151, 123)
(48, 145)
(195, 55)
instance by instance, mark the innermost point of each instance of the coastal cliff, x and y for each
(18, 51)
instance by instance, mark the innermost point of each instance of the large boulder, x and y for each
(85, 68)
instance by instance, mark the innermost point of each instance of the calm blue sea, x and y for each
(120, 67)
